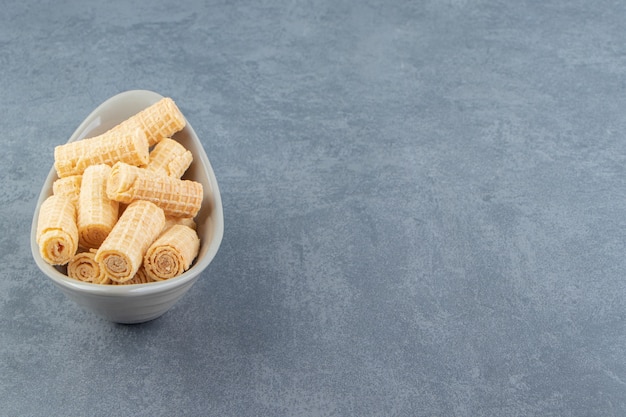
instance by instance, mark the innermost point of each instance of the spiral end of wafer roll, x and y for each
(56, 247)
(93, 236)
(172, 253)
(140, 278)
(83, 267)
(120, 183)
(57, 234)
(122, 251)
(118, 266)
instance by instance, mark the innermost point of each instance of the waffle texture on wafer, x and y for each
(121, 253)
(69, 187)
(172, 253)
(158, 121)
(177, 197)
(169, 158)
(121, 212)
(97, 213)
(57, 234)
(129, 146)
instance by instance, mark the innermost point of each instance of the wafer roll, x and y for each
(158, 121)
(57, 234)
(177, 198)
(185, 221)
(172, 253)
(69, 187)
(140, 278)
(83, 267)
(129, 146)
(97, 213)
(169, 158)
(121, 253)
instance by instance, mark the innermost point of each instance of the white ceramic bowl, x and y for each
(140, 302)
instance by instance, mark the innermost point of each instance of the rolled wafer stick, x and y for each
(177, 198)
(97, 213)
(130, 146)
(186, 221)
(83, 267)
(69, 187)
(140, 278)
(169, 158)
(57, 234)
(121, 253)
(172, 253)
(158, 121)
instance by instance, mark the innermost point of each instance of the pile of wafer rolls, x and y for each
(120, 212)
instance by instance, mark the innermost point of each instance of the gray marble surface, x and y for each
(425, 206)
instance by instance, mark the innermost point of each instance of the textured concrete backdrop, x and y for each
(425, 207)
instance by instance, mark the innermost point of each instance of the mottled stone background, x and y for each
(425, 207)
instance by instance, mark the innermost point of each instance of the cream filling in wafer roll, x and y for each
(121, 253)
(83, 267)
(57, 234)
(118, 265)
(172, 253)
